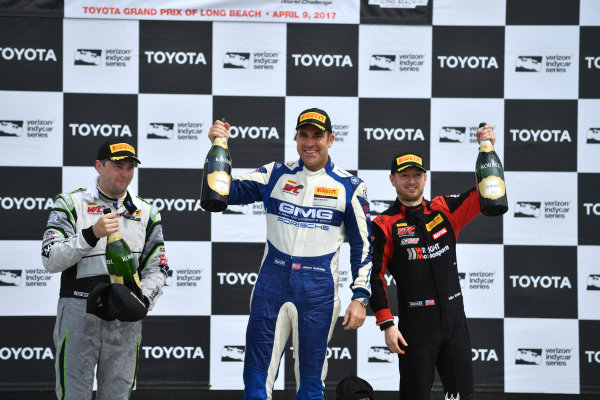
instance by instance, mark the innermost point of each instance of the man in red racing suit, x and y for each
(415, 239)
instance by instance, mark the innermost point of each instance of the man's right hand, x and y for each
(392, 337)
(106, 225)
(219, 129)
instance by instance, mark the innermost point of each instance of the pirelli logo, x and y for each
(409, 158)
(313, 115)
(399, 224)
(115, 148)
(435, 222)
(327, 191)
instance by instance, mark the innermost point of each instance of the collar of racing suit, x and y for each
(327, 168)
(129, 202)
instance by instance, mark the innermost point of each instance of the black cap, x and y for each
(407, 159)
(115, 301)
(316, 117)
(115, 150)
(353, 388)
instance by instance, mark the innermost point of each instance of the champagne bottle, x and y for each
(217, 176)
(120, 263)
(490, 180)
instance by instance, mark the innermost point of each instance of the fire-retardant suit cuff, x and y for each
(383, 316)
(383, 326)
(88, 235)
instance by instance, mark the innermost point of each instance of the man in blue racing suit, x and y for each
(311, 206)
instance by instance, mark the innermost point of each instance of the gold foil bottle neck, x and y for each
(486, 146)
(113, 237)
(221, 142)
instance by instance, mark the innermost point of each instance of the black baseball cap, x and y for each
(316, 117)
(115, 150)
(407, 159)
(353, 388)
(111, 301)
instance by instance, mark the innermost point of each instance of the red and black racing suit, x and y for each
(418, 247)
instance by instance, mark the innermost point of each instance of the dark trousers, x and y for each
(436, 343)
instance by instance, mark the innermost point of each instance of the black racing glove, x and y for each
(116, 301)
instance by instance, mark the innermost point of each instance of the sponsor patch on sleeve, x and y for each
(439, 233)
(435, 222)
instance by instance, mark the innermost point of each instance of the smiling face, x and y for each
(115, 176)
(409, 184)
(313, 146)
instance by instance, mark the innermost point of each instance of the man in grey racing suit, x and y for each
(74, 244)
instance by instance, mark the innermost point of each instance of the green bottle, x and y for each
(490, 180)
(120, 263)
(217, 177)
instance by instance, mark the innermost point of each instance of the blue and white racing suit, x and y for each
(309, 214)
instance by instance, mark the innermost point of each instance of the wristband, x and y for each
(384, 325)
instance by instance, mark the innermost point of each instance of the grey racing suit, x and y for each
(83, 340)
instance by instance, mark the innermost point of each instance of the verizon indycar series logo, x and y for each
(555, 63)
(593, 135)
(527, 209)
(231, 353)
(380, 354)
(179, 130)
(477, 280)
(402, 62)
(88, 57)
(236, 60)
(593, 282)
(458, 134)
(11, 128)
(379, 206)
(32, 128)
(528, 64)
(551, 357)
(185, 277)
(10, 277)
(103, 57)
(262, 60)
(553, 209)
(246, 209)
(528, 356)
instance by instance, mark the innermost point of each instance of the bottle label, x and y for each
(219, 182)
(221, 142)
(486, 147)
(492, 187)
